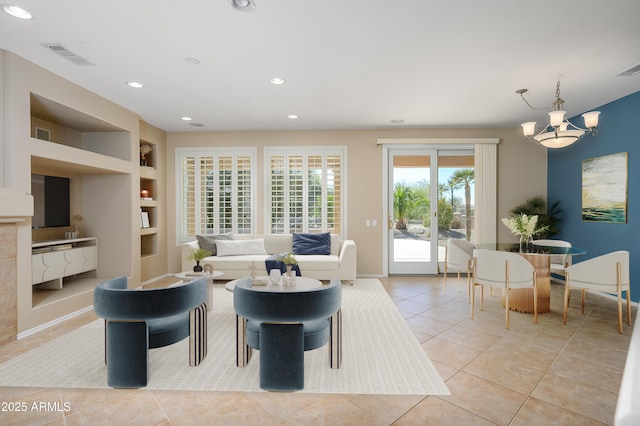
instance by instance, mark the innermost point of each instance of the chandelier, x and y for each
(560, 132)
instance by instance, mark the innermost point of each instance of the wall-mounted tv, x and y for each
(51, 201)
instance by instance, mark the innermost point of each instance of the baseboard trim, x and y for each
(53, 322)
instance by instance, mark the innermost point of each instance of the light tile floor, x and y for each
(532, 374)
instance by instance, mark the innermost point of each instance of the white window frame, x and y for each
(307, 151)
(216, 153)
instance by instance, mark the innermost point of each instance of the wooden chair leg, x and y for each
(335, 340)
(506, 306)
(619, 311)
(628, 306)
(583, 293)
(197, 335)
(566, 303)
(473, 297)
(458, 282)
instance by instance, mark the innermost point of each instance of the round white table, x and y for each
(209, 276)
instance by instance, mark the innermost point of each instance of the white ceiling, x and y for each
(354, 64)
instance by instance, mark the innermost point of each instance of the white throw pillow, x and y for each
(240, 247)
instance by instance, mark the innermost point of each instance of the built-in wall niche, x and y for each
(148, 154)
(148, 245)
(148, 188)
(70, 127)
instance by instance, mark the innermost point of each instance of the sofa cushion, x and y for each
(238, 263)
(318, 262)
(313, 244)
(240, 247)
(208, 242)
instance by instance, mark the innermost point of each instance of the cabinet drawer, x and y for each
(47, 266)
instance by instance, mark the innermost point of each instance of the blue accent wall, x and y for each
(618, 131)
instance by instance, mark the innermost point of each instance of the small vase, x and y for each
(198, 268)
(289, 278)
(526, 243)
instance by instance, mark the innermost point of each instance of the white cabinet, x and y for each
(54, 261)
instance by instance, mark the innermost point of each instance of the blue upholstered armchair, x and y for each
(282, 325)
(139, 320)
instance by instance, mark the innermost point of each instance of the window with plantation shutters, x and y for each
(215, 192)
(305, 190)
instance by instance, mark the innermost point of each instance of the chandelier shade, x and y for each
(557, 134)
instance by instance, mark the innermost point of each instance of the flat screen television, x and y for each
(51, 201)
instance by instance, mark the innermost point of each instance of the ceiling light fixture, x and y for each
(135, 84)
(557, 134)
(292, 116)
(185, 118)
(277, 80)
(16, 11)
(243, 5)
(397, 121)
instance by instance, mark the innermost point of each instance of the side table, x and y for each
(210, 276)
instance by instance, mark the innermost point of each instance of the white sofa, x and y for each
(341, 263)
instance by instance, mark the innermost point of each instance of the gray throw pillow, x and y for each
(208, 242)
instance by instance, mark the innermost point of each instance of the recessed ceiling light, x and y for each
(16, 11)
(186, 118)
(397, 121)
(292, 116)
(277, 80)
(192, 61)
(196, 124)
(135, 84)
(243, 5)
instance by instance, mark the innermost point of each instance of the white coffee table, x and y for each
(209, 276)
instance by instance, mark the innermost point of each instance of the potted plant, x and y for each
(526, 227)
(289, 260)
(198, 254)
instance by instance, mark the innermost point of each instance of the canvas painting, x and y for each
(604, 189)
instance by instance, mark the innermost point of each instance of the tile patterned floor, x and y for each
(532, 374)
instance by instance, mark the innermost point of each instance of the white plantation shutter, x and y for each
(305, 190)
(215, 191)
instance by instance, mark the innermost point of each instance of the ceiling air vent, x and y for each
(631, 71)
(66, 53)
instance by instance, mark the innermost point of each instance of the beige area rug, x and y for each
(380, 355)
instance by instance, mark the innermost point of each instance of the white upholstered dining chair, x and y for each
(608, 273)
(505, 270)
(559, 262)
(457, 258)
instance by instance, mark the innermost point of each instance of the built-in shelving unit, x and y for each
(97, 157)
(148, 199)
(152, 203)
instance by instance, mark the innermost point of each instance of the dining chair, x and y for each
(608, 273)
(505, 270)
(558, 262)
(457, 257)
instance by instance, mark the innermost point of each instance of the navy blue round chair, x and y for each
(282, 325)
(139, 320)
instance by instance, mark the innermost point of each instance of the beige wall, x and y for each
(522, 173)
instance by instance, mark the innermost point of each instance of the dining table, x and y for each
(521, 299)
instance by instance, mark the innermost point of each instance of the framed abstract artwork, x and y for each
(604, 188)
